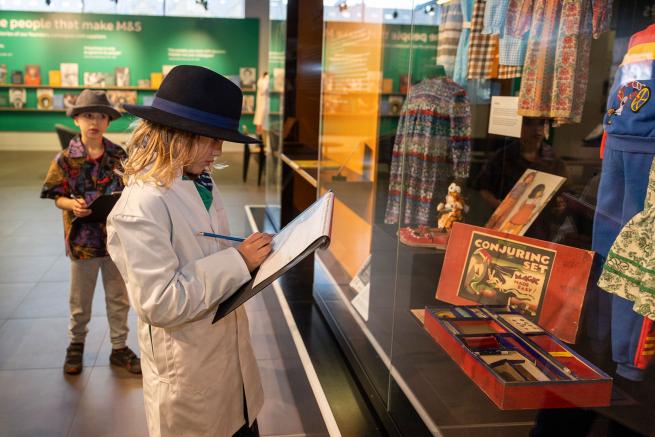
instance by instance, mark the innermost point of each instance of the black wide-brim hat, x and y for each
(196, 100)
(93, 101)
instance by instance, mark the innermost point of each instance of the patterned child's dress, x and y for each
(630, 267)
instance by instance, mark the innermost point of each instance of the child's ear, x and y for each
(75, 121)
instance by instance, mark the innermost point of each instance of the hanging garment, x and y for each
(450, 31)
(556, 67)
(460, 74)
(483, 51)
(629, 271)
(511, 51)
(495, 14)
(432, 146)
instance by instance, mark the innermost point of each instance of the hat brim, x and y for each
(195, 127)
(111, 112)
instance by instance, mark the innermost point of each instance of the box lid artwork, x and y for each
(544, 281)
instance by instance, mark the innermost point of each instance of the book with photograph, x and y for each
(58, 102)
(143, 83)
(69, 100)
(122, 76)
(45, 98)
(395, 105)
(95, 79)
(248, 106)
(69, 74)
(248, 78)
(17, 77)
(54, 78)
(387, 85)
(404, 83)
(32, 74)
(156, 79)
(278, 80)
(17, 97)
(3, 73)
(118, 98)
(524, 202)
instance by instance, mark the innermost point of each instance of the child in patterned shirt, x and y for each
(78, 175)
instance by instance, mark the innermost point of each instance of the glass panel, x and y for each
(493, 220)
(274, 125)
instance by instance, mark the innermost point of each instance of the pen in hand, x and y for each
(222, 237)
(79, 206)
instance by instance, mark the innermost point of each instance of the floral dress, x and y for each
(629, 271)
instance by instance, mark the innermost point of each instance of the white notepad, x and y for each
(306, 233)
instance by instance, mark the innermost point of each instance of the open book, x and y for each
(306, 233)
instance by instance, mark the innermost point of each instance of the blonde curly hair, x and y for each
(157, 153)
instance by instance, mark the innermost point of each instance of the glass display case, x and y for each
(490, 259)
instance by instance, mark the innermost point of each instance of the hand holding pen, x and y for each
(78, 206)
(255, 249)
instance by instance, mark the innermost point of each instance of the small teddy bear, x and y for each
(453, 209)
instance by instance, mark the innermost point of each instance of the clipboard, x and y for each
(100, 208)
(312, 229)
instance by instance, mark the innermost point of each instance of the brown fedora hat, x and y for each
(93, 101)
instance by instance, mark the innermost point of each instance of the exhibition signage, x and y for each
(101, 44)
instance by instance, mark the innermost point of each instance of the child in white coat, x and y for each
(199, 378)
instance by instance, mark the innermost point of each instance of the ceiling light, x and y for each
(429, 9)
(342, 6)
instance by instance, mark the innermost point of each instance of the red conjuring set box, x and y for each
(517, 299)
(545, 282)
(515, 362)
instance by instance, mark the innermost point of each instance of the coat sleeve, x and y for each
(163, 292)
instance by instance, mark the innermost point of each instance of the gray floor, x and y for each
(36, 398)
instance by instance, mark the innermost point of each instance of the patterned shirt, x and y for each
(73, 174)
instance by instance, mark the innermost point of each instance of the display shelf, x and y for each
(82, 87)
(9, 109)
(78, 87)
(30, 110)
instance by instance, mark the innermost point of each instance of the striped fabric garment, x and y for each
(450, 31)
(433, 141)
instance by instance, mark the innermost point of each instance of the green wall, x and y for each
(142, 43)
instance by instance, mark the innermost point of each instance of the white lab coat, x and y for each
(194, 373)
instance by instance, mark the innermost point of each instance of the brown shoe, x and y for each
(126, 358)
(73, 361)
